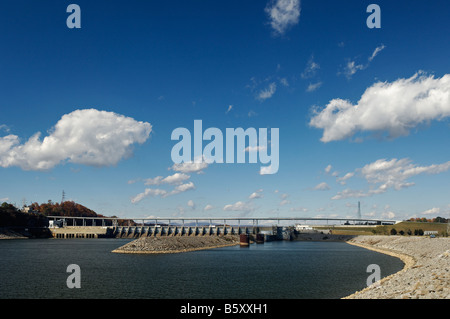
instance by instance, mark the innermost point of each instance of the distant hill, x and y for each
(68, 208)
(72, 209)
(10, 216)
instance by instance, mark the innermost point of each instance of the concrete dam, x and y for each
(112, 227)
(156, 230)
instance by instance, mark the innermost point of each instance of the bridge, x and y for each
(95, 227)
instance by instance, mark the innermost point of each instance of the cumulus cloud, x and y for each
(256, 194)
(395, 173)
(283, 14)
(343, 180)
(383, 175)
(208, 207)
(153, 192)
(432, 211)
(190, 167)
(174, 179)
(238, 206)
(322, 187)
(179, 181)
(88, 137)
(148, 192)
(394, 108)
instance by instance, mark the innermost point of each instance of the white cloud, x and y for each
(343, 180)
(328, 169)
(388, 215)
(183, 188)
(268, 92)
(230, 107)
(376, 51)
(190, 167)
(312, 87)
(162, 192)
(394, 108)
(283, 14)
(238, 206)
(175, 179)
(310, 69)
(208, 207)
(148, 192)
(284, 200)
(383, 175)
(88, 137)
(394, 173)
(267, 170)
(256, 194)
(322, 187)
(154, 181)
(432, 211)
(348, 193)
(191, 204)
(352, 67)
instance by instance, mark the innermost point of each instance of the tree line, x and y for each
(11, 216)
(429, 220)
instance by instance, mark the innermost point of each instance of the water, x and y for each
(274, 270)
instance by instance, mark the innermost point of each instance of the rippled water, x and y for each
(273, 270)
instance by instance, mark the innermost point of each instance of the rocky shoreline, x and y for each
(176, 244)
(426, 274)
(6, 233)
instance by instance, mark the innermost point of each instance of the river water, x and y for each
(37, 268)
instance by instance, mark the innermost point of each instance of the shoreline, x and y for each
(425, 274)
(122, 251)
(407, 260)
(174, 245)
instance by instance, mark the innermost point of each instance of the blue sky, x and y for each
(363, 113)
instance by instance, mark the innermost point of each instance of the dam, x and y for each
(112, 227)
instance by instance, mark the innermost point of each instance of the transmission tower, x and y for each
(359, 210)
(63, 197)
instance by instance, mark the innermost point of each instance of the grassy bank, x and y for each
(407, 228)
